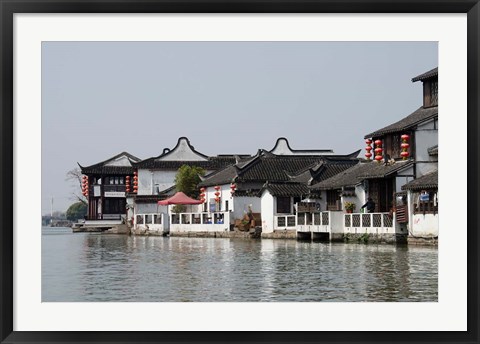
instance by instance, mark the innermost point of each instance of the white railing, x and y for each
(372, 223)
(200, 222)
(314, 222)
(152, 222)
(285, 221)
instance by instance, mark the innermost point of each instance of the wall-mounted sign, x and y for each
(114, 194)
(96, 190)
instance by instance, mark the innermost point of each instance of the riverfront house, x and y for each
(271, 185)
(155, 178)
(105, 185)
(402, 177)
(284, 191)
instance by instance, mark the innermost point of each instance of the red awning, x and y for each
(179, 198)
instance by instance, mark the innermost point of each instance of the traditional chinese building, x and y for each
(104, 184)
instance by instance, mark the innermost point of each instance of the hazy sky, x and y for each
(102, 98)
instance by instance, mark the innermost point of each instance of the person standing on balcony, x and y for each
(370, 205)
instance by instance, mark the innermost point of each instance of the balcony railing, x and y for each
(217, 218)
(371, 222)
(285, 221)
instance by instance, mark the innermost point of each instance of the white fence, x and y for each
(370, 223)
(314, 222)
(152, 222)
(200, 222)
(284, 222)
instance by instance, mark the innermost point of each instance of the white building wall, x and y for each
(359, 199)
(403, 177)
(425, 225)
(268, 209)
(426, 136)
(336, 221)
(322, 201)
(164, 179)
(182, 152)
(425, 168)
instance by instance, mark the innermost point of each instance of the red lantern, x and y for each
(217, 199)
(217, 187)
(368, 155)
(217, 193)
(404, 145)
(378, 151)
(202, 189)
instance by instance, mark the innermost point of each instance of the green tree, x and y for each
(76, 211)
(187, 180)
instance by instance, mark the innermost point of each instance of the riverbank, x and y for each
(277, 234)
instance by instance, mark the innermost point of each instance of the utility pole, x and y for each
(51, 208)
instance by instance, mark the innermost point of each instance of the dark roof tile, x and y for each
(269, 167)
(427, 75)
(359, 172)
(427, 181)
(420, 115)
(103, 167)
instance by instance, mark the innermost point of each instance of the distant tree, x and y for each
(76, 211)
(187, 180)
(75, 176)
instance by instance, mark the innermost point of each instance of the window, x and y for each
(333, 200)
(283, 205)
(226, 205)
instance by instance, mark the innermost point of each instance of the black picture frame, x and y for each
(9, 7)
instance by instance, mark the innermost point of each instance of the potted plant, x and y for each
(349, 207)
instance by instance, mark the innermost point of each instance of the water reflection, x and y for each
(95, 267)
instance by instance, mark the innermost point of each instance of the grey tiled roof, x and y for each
(100, 168)
(427, 181)
(427, 75)
(359, 172)
(420, 115)
(266, 166)
(286, 189)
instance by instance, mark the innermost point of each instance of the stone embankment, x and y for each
(256, 232)
(111, 229)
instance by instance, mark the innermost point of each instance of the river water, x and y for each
(106, 267)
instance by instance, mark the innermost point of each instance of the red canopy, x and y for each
(179, 198)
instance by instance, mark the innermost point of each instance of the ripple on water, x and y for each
(93, 267)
